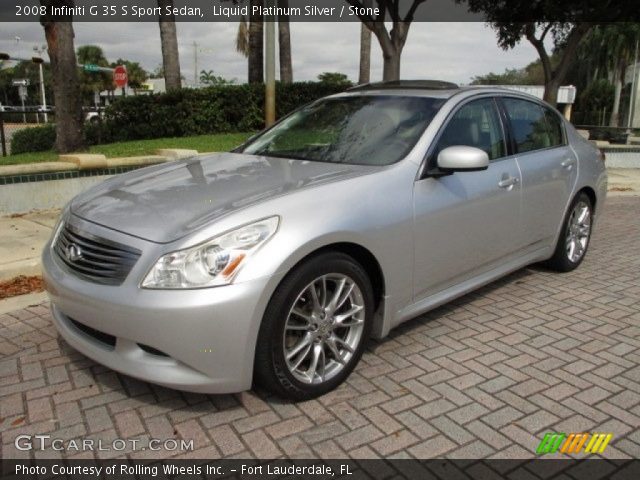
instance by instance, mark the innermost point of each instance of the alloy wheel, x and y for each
(324, 328)
(578, 232)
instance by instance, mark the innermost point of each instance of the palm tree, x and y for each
(169, 42)
(66, 84)
(250, 39)
(606, 52)
(284, 43)
(391, 40)
(365, 55)
(256, 45)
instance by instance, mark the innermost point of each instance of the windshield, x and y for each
(361, 130)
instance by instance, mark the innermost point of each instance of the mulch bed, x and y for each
(21, 286)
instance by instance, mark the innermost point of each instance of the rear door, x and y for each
(469, 221)
(548, 165)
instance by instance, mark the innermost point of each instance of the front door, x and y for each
(469, 221)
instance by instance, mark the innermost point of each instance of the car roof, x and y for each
(431, 89)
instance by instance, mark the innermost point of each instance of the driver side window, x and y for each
(475, 124)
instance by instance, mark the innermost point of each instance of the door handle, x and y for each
(508, 182)
(568, 163)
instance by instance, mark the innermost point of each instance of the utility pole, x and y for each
(196, 80)
(43, 95)
(270, 70)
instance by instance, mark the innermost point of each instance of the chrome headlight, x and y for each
(213, 263)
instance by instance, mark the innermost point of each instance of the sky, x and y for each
(444, 51)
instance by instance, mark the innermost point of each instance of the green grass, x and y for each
(222, 142)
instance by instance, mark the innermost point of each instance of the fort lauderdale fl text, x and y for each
(173, 470)
(186, 11)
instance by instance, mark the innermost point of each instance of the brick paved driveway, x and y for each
(485, 376)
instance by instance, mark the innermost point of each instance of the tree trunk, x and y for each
(256, 45)
(391, 69)
(554, 78)
(170, 53)
(551, 91)
(66, 85)
(614, 120)
(365, 55)
(619, 75)
(284, 44)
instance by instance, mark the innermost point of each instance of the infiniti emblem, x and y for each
(73, 252)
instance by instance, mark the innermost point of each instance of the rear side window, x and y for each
(528, 124)
(554, 124)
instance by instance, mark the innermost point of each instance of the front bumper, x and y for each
(208, 335)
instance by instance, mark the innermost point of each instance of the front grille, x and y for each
(104, 338)
(94, 258)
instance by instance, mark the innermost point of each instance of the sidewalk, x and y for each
(22, 240)
(24, 236)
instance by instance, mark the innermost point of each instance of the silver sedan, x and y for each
(276, 262)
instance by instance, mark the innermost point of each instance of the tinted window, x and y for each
(362, 129)
(528, 124)
(476, 124)
(554, 126)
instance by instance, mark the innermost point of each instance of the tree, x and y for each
(158, 72)
(284, 44)
(92, 82)
(566, 23)
(364, 75)
(532, 74)
(169, 42)
(391, 41)
(208, 78)
(334, 78)
(66, 84)
(256, 44)
(136, 74)
(610, 49)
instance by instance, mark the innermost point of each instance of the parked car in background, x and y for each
(275, 263)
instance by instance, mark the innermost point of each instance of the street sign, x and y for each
(24, 82)
(120, 76)
(90, 67)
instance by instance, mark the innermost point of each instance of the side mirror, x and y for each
(461, 158)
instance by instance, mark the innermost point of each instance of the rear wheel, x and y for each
(315, 327)
(575, 236)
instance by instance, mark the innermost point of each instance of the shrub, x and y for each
(33, 139)
(216, 109)
(181, 113)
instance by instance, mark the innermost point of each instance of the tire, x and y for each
(314, 332)
(567, 257)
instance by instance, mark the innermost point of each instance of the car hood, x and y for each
(167, 202)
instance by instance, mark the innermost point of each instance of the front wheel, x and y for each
(315, 327)
(574, 237)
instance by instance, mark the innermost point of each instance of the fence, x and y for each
(17, 119)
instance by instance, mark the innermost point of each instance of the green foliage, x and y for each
(91, 82)
(30, 71)
(35, 139)
(335, 78)
(216, 109)
(210, 79)
(511, 76)
(598, 95)
(184, 113)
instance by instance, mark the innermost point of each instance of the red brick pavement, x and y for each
(484, 376)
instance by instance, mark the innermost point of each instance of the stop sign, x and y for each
(120, 77)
